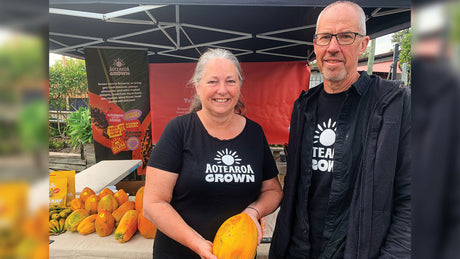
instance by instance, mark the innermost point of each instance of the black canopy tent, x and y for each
(179, 31)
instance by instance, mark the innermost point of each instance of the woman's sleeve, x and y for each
(167, 153)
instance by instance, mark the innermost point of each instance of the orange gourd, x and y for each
(91, 204)
(120, 212)
(145, 227)
(108, 203)
(236, 238)
(127, 226)
(104, 223)
(76, 204)
(85, 193)
(87, 226)
(104, 192)
(121, 196)
(74, 219)
(139, 199)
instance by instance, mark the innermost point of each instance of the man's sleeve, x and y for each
(398, 240)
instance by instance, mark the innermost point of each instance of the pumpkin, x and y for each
(139, 199)
(87, 226)
(104, 223)
(76, 204)
(91, 204)
(127, 226)
(85, 193)
(236, 238)
(108, 203)
(118, 213)
(105, 192)
(72, 221)
(145, 227)
(121, 197)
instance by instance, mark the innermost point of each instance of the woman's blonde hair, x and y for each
(210, 54)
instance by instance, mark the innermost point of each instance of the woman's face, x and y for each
(219, 88)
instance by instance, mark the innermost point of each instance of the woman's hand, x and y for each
(254, 216)
(204, 249)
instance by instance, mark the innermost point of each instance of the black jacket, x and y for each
(380, 216)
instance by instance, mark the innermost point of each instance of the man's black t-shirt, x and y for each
(329, 106)
(217, 178)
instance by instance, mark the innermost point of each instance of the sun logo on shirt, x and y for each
(325, 133)
(227, 157)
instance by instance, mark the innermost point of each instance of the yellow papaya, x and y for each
(104, 223)
(108, 203)
(120, 211)
(121, 197)
(139, 199)
(87, 226)
(91, 204)
(236, 238)
(73, 220)
(145, 227)
(127, 226)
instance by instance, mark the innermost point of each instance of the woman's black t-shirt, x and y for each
(217, 178)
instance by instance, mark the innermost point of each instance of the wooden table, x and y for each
(105, 173)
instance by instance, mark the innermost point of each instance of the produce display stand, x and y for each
(72, 245)
(105, 173)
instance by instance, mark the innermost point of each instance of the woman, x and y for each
(209, 165)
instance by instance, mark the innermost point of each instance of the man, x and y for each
(347, 187)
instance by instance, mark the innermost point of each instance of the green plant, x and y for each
(53, 144)
(79, 127)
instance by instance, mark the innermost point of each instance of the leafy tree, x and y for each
(66, 81)
(404, 39)
(79, 128)
(405, 49)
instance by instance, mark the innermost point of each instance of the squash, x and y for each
(108, 203)
(118, 213)
(104, 223)
(85, 193)
(87, 226)
(236, 238)
(139, 199)
(145, 227)
(127, 226)
(121, 197)
(104, 192)
(72, 221)
(76, 204)
(91, 204)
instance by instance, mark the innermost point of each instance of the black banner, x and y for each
(119, 101)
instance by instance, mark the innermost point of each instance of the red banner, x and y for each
(269, 91)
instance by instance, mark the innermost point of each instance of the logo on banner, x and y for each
(228, 167)
(119, 68)
(323, 150)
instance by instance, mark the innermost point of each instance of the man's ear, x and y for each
(364, 44)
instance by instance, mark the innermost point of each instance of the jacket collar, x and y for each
(362, 84)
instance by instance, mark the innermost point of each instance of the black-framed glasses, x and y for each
(343, 38)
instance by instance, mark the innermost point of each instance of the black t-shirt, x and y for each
(217, 178)
(324, 137)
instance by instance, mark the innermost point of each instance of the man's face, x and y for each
(339, 62)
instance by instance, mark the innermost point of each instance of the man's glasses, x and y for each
(343, 38)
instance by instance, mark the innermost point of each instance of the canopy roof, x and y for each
(179, 31)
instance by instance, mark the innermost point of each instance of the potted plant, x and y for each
(79, 129)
